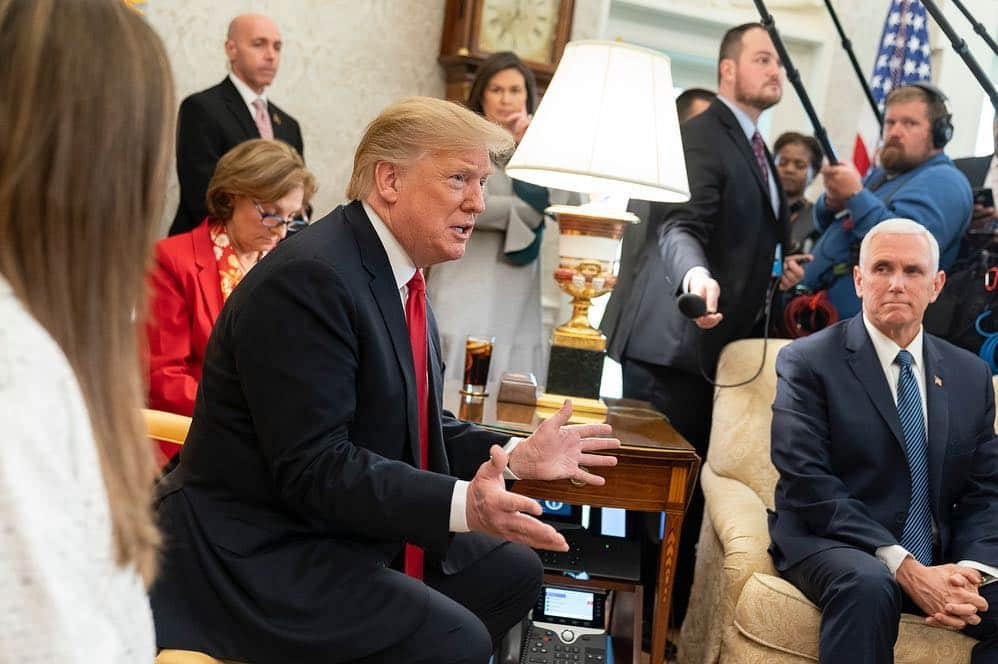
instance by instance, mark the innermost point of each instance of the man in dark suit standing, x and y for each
(690, 103)
(214, 121)
(884, 439)
(721, 245)
(320, 464)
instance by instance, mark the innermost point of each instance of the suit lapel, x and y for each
(438, 461)
(866, 366)
(937, 405)
(745, 148)
(386, 295)
(237, 107)
(208, 279)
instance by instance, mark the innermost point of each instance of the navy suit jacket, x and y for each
(297, 485)
(209, 124)
(838, 446)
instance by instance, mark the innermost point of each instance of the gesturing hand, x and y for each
(494, 510)
(946, 593)
(556, 450)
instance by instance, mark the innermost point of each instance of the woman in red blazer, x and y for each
(260, 188)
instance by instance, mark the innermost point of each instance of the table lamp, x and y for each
(607, 126)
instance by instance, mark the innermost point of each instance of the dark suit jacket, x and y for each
(975, 168)
(728, 226)
(209, 124)
(838, 446)
(296, 485)
(186, 300)
(631, 247)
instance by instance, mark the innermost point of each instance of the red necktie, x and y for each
(415, 315)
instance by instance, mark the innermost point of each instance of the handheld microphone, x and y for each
(691, 305)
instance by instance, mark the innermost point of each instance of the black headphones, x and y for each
(942, 128)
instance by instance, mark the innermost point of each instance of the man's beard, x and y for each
(895, 160)
(760, 101)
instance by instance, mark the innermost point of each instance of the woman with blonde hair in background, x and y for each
(86, 130)
(258, 193)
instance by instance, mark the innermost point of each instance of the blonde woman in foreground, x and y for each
(84, 142)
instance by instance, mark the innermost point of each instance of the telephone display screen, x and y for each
(570, 604)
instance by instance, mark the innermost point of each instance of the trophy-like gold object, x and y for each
(607, 127)
(589, 244)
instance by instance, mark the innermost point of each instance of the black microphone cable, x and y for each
(693, 306)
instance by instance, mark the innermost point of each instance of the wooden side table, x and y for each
(656, 471)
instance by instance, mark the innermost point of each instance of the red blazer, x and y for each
(186, 301)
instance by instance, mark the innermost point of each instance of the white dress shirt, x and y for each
(63, 596)
(247, 94)
(894, 554)
(403, 269)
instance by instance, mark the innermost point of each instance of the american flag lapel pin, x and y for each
(937, 380)
(277, 118)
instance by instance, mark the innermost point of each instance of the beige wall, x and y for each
(343, 61)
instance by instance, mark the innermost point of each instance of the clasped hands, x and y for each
(948, 594)
(556, 450)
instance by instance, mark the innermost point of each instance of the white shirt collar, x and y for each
(247, 93)
(403, 267)
(887, 349)
(744, 120)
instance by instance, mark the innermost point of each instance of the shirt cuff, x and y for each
(459, 508)
(508, 474)
(699, 269)
(892, 556)
(986, 570)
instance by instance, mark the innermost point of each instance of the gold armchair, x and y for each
(741, 609)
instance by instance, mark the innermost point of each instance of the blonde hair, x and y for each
(87, 129)
(263, 170)
(412, 127)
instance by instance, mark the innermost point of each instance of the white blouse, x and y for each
(63, 599)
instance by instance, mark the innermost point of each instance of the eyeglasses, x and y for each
(271, 220)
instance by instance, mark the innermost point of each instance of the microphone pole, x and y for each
(960, 47)
(794, 77)
(978, 26)
(847, 45)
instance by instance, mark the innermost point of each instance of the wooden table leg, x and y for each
(663, 589)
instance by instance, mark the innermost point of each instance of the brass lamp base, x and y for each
(584, 411)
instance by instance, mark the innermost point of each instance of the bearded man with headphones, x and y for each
(914, 179)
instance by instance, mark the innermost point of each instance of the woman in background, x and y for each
(495, 289)
(87, 127)
(260, 188)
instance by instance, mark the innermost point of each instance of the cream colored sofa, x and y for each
(741, 610)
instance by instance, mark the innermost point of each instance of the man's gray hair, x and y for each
(900, 226)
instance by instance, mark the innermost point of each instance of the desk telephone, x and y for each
(566, 626)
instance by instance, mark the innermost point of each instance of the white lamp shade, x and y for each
(607, 124)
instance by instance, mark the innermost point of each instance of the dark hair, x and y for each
(491, 67)
(731, 43)
(684, 102)
(809, 142)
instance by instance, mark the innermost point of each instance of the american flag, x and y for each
(902, 58)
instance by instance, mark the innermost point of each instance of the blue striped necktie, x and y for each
(917, 534)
